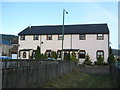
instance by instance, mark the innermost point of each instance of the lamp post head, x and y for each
(66, 12)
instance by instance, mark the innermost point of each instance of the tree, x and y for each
(87, 60)
(111, 58)
(110, 50)
(38, 54)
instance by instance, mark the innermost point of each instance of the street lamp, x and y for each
(64, 11)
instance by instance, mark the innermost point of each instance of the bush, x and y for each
(43, 56)
(87, 60)
(67, 57)
(73, 57)
(100, 60)
(105, 63)
(53, 54)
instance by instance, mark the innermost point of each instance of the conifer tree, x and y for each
(87, 60)
(38, 54)
(111, 58)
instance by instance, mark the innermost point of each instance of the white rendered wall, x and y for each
(90, 45)
(28, 43)
(53, 44)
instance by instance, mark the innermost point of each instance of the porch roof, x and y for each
(70, 49)
(25, 49)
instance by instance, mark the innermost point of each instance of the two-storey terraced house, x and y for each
(92, 39)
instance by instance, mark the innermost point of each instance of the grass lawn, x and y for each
(81, 80)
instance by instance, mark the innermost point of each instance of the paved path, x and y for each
(94, 69)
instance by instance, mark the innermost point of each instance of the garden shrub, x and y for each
(53, 54)
(43, 56)
(67, 57)
(87, 60)
(100, 60)
(73, 57)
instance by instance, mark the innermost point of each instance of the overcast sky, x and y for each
(16, 16)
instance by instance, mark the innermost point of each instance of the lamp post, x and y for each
(64, 11)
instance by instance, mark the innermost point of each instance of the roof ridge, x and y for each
(71, 24)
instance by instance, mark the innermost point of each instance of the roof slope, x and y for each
(68, 29)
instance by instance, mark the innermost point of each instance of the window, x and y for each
(35, 37)
(82, 37)
(100, 52)
(82, 54)
(49, 37)
(66, 55)
(100, 36)
(24, 54)
(22, 37)
(48, 53)
(59, 53)
(59, 37)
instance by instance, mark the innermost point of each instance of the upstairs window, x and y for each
(82, 54)
(60, 37)
(49, 37)
(22, 37)
(82, 37)
(100, 36)
(35, 37)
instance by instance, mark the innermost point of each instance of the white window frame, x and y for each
(22, 37)
(35, 37)
(82, 36)
(60, 37)
(48, 37)
(100, 36)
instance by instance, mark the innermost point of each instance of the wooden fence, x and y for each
(32, 74)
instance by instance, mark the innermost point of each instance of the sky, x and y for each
(16, 16)
(119, 26)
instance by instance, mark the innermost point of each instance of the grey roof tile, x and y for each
(68, 29)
